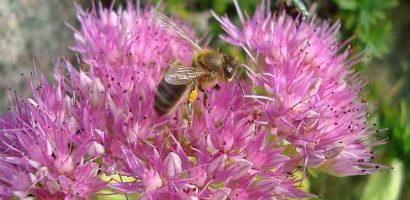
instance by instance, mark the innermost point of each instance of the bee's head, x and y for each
(230, 67)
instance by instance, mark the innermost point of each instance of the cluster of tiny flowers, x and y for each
(93, 130)
(305, 88)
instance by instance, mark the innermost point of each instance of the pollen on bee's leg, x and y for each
(192, 96)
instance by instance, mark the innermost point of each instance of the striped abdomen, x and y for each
(168, 96)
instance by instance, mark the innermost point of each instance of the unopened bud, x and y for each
(173, 164)
(217, 164)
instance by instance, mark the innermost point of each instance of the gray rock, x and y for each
(31, 29)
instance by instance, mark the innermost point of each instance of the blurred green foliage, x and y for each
(386, 185)
(367, 19)
(392, 113)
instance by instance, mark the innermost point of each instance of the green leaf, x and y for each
(385, 185)
(403, 114)
(347, 4)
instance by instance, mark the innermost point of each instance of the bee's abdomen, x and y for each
(167, 97)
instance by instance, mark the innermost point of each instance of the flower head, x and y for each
(307, 90)
(42, 147)
(98, 120)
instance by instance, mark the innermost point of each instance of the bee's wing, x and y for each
(178, 74)
(169, 25)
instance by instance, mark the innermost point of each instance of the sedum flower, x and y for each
(306, 89)
(97, 119)
(43, 150)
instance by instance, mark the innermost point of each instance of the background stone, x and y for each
(31, 29)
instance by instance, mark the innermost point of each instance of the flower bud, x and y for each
(217, 164)
(152, 180)
(64, 164)
(85, 82)
(72, 125)
(239, 168)
(239, 194)
(96, 148)
(173, 164)
(189, 191)
(220, 194)
(199, 175)
(268, 185)
(334, 151)
(97, 98)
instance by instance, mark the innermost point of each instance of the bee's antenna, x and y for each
(240, 86)
(159, 5)
(206, 38)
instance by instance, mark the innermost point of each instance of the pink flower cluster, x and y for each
(307, 91)
(98, 120)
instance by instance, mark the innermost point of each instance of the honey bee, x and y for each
(179, 81)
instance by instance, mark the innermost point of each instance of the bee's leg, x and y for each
(283, 4)
(217, 87)
(205, 96)
(193, 93)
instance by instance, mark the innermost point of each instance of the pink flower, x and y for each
(16, 179)
(309, 94)
(42, 147)
(126, 53)
(99, 121)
